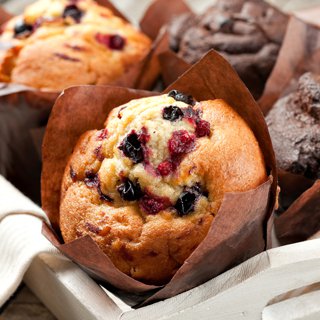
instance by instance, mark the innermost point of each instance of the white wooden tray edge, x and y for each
(240, 293)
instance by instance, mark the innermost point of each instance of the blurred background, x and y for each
(136, 7)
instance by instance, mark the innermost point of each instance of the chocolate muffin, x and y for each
(294, 125)
(59, 43)
(247, 33)
(148, 185)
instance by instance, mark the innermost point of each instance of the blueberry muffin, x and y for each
(59, 43)
(147, 186)
(294, 125)
(247, 33)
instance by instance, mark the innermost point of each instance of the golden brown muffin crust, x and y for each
(70, 43)
(151, 244)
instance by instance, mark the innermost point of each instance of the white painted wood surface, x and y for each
(243, 292)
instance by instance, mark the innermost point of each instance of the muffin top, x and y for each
(58, 43)
(147, 186)
(294, 125)
(247, 33)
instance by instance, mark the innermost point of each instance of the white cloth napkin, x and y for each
(20, 237)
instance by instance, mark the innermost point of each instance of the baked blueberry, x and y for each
(172, 113)
(22, 28)
(179, 96)
(132, 148)
(129, 190)
(91, 180)
(186, 202)
(73, 12)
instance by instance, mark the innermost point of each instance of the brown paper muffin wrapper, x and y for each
(300, 196)
(22, 112)
(237, 233)
(299, 54)
(302, 219)
(25, 109)
(159, 13)
(156, 17)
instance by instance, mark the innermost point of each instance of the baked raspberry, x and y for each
(22, 29)
(114, 42)
(102, 134)
(179, 96)
(144, 136)
(181, 142)
(172, 113)
(131, 147)
(153, 204)
(98, 153)
(129, 191)
(165, 168)
(73, 12)
(202, 128)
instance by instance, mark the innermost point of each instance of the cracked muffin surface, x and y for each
(294, 126)
(148, 185)
(59, 43)
(247, 33)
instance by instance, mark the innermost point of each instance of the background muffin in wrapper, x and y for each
(24, 112)
(239, 229)
(163, 12)
(300, 196)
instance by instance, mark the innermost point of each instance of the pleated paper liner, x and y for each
(300, 53)
(299, 197)
(22, 113)
(239, 229)
(302, 220)
(162, 12)
(155, 19)
(20, 161)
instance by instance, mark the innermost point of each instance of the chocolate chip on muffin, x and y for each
(59, 43)
(294, 125)
(247, 33)
(167, 163)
